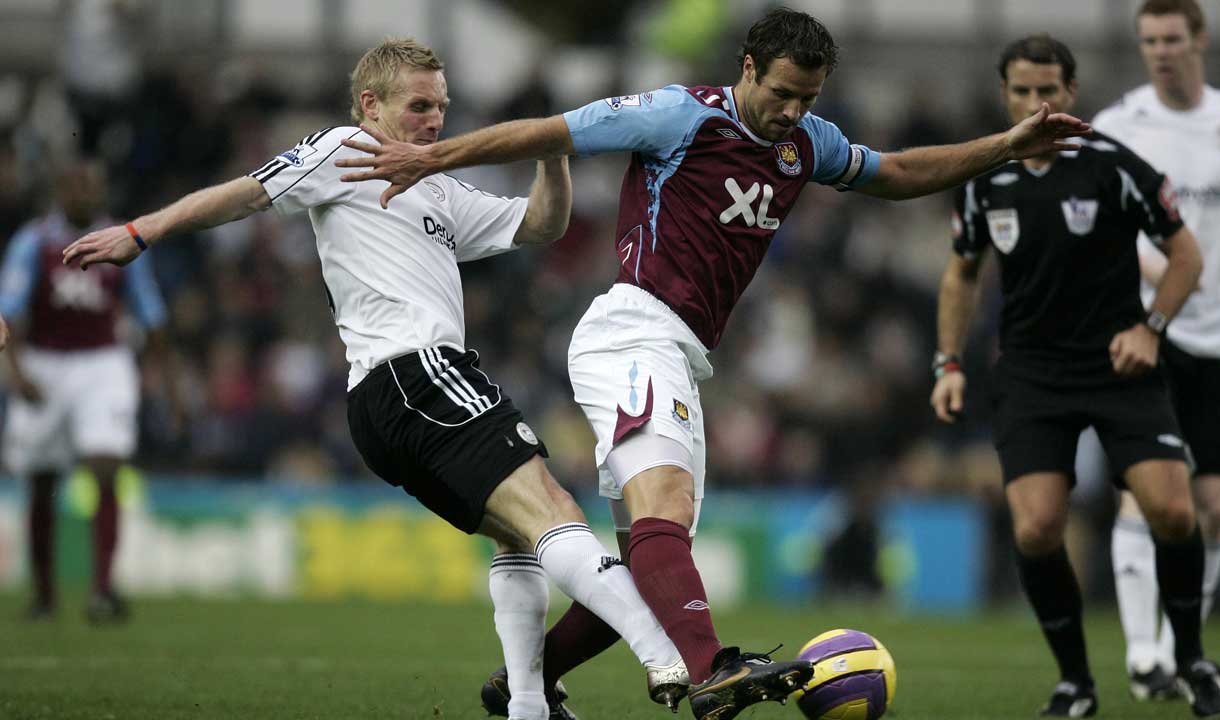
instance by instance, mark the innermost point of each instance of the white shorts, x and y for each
(89, 405)
(636, 367)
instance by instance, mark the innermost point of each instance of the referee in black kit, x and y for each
(1077, 349)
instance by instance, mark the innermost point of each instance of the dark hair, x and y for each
(1041, 49)
(1189, 8)
(787, 33)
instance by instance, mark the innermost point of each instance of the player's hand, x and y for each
(112, 245)
(402, 164)
(1045, 132)
(948, 396)
(1133, 352)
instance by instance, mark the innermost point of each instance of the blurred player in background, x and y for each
(422, 412)
(75, 388)
(714, 171)
(1077, 350)
(1172, 123)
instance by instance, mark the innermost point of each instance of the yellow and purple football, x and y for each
(853, 677)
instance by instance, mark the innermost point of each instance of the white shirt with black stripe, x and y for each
(391, 274)
(1185, 145)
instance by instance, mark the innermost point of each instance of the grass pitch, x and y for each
(252, 660)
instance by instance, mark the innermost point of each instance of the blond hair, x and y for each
(377, 71)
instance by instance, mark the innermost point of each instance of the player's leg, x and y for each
(36, 446)
(1036, 434)
(1039, 503)
(531, 506)
(1207, 509)
(42, 544)
(1162, 488)
(1195, 385)
(103, 429)
(1140, 433)
(519, 596)
(1133, 555)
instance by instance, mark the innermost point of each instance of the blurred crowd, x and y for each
(822, 379)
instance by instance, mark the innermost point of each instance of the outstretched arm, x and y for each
(550, 205)
(201, 209)
(922, 171)
(405, 164)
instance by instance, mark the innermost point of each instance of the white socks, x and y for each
(1134, 557)
(520, 595)
(589, 574)
(1211, 575)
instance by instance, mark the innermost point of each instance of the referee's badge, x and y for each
(1080, 215)
(526, 433)
(1005, 228)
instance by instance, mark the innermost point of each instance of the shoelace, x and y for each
(764, 657)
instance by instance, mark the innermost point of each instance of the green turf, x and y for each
(247, 659)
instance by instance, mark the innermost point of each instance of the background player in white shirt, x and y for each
(1173, 122)
(421, 411)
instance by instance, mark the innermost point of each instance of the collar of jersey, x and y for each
(728, 94)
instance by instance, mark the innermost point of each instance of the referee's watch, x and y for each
(1157, 322)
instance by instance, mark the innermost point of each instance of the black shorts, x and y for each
(432, 423)
(1194, 386)
(1037, 426)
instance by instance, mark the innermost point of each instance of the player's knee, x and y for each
(1038, 535)
(1173, 519)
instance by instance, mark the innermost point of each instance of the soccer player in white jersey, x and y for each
(714, 171)
(422, 413)
(1173, 122)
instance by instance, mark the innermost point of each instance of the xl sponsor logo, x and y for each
(743, 205)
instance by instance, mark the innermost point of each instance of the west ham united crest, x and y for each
(787, 159)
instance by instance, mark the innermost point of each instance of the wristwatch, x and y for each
(1157, 322)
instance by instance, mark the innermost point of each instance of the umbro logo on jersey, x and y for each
(1006, 178)
(696, 605)
(730, 134)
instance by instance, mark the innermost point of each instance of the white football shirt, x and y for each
(392, 275)
(1186, 147)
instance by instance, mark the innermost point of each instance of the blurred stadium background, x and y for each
(831, 479)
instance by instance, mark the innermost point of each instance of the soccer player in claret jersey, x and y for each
(422, 412)
(1077, 350)
(714, 171)
(76, 389)
(1172, 122)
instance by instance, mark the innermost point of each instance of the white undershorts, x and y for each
(635, 367)
(89, 403)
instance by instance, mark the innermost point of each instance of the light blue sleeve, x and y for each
(838, 162)
(19, 273)
(655, 123)
(142, 294)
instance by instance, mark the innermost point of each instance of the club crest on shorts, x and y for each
(681, 413)
(1005, 228)
(1080, 215)
(526, 433)
(787, 159)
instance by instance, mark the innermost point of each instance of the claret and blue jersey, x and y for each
(70, 310)
(703, 195)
